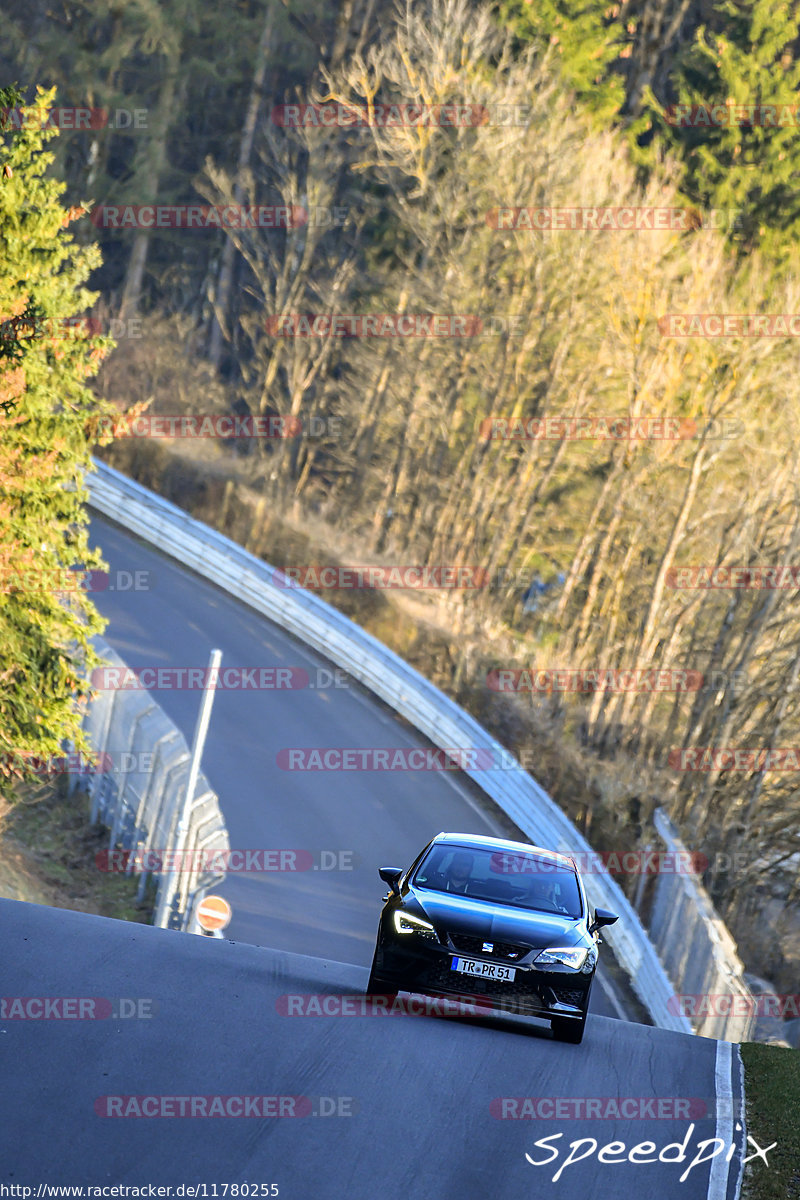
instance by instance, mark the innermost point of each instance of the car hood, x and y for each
(498, 922)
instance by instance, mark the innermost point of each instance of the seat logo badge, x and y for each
(488, 947)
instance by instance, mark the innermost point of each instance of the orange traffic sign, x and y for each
(214, 912)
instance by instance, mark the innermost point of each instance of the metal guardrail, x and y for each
(696, 948)
(138, 787)
(441, 720)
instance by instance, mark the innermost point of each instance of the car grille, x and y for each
(520, 996)
(517, 996)
(570, 996)
(474, 945)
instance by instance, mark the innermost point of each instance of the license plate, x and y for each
(484, 970)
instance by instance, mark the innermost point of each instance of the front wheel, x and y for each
(566, 1030)
(377, 986)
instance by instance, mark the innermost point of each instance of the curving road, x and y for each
(357, 820)
(134, 1057)
(377, 1106)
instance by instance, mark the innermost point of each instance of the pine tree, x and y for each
(46, 619)
(749, 168)
(583, 38)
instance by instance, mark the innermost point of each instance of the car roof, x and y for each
(478, 841)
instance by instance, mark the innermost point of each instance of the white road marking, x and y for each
(719, 1173)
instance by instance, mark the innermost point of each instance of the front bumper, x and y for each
(426, 966)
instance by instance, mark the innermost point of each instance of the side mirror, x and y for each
(602, 917)
(391, 875)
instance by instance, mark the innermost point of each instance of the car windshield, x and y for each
(502, 877)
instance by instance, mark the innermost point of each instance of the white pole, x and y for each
(174, 881)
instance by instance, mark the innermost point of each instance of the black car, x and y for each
(503, 921)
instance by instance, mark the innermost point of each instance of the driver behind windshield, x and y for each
(535, 893)
(459, 874)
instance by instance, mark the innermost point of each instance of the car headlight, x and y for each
(562, 956)
(405, 923)
(591, 962)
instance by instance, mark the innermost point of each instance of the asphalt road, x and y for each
(374, 1106)
(349, 822)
